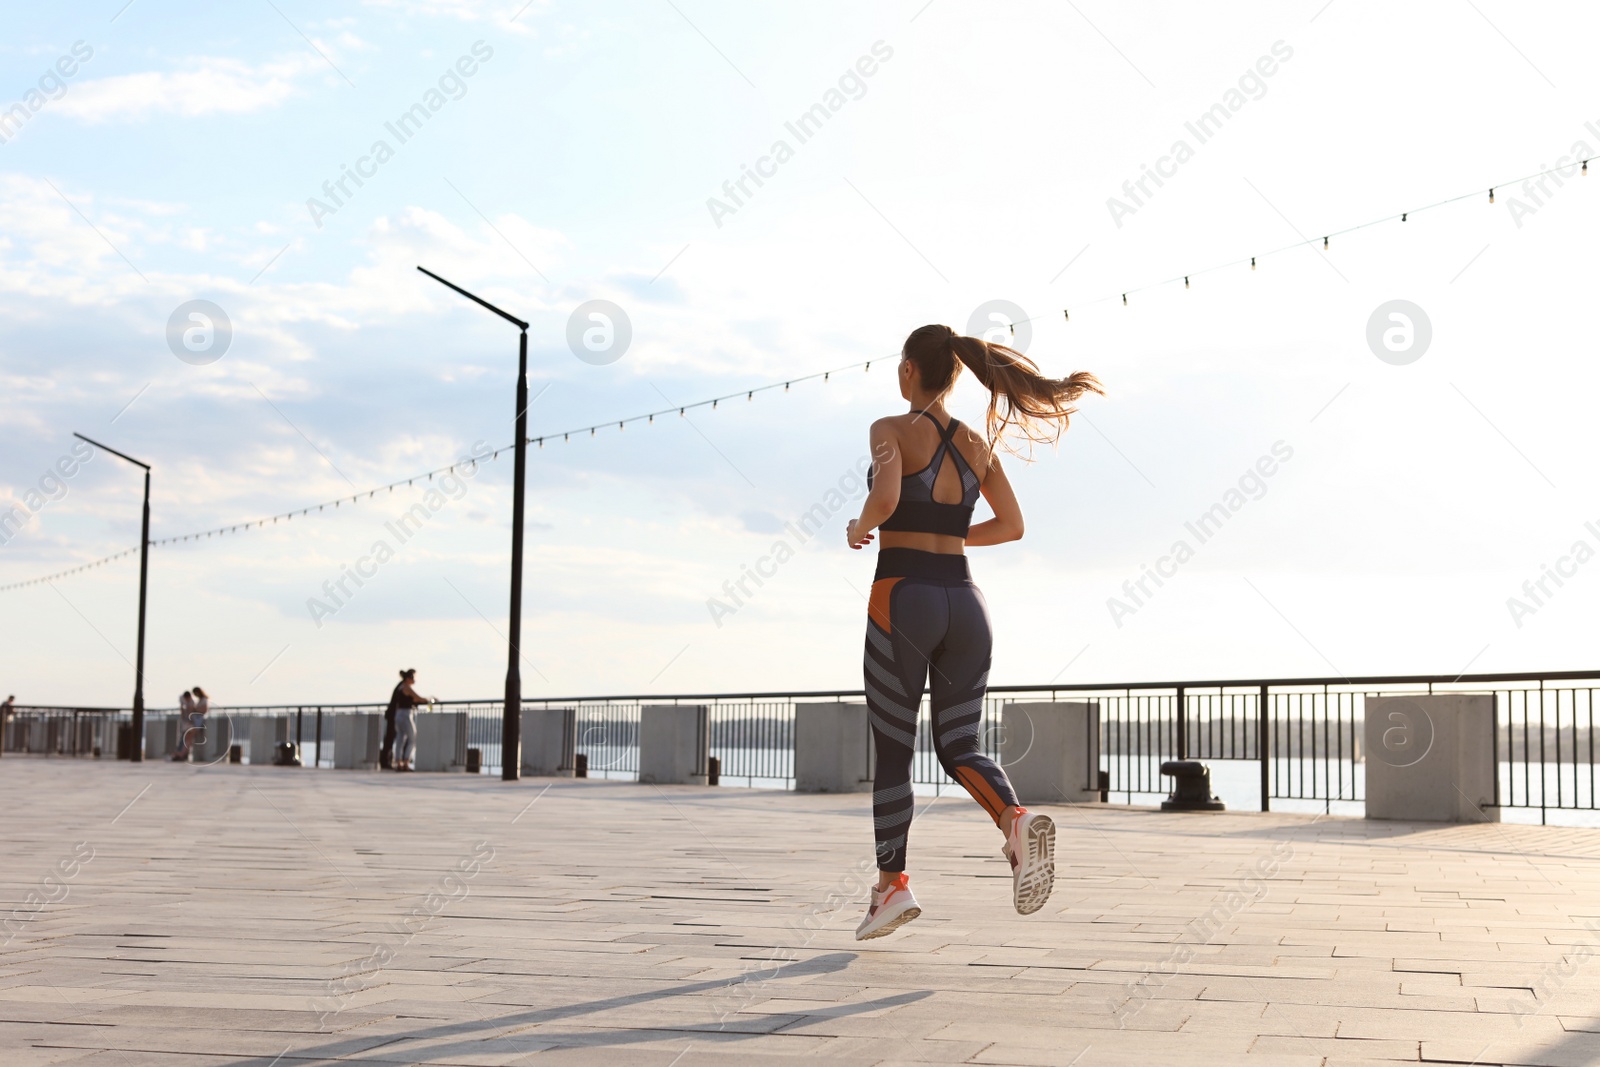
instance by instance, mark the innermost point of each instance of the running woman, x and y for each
(926, 615)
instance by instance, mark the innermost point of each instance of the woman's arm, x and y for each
(1007, 522)
(884, 496)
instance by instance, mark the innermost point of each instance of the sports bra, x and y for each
(917, 511)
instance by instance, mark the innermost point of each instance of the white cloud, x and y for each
(211, 86)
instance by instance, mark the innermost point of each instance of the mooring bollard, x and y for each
(1191, 787)
(713, 770)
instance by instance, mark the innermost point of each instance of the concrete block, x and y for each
(1431, 758)
(674, 744)
(210, 745)
(160, 737)
(441, 740)
(1051, 751)
(265, 733)
(357, 739)
(831, 749)
(549, 741)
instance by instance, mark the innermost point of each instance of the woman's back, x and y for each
(919, 443)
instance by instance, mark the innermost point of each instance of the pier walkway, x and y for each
(173, 915)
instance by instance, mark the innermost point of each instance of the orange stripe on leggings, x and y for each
(878, 602)
(981, 791)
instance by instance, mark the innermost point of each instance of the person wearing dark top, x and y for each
(397, 700)
(926, 614)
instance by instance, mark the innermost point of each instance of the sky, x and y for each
(1386, 494)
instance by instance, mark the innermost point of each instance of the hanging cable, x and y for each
(648, 417)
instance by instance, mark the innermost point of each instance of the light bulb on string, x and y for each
(1585, 171)
(1491, 196)
(1324, 244)
(1124, 299)
(1252, 262)
(1066, 317)
(1186, 281)
(1403, 215)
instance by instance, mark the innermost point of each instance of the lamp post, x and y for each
(136, 745)
(511, 724)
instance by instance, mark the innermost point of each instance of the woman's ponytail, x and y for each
(1020, 398)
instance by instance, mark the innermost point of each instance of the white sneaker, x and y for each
(892, 907)
(1031, 848)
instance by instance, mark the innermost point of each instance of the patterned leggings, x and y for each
(925, 615)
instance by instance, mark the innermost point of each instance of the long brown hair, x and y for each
(1035, 408)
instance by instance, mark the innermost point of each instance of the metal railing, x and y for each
(1308, 746)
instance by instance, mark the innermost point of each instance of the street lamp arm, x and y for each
(475, 299)
(113, 451)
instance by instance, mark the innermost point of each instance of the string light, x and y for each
(1403, 216)
(649, 417)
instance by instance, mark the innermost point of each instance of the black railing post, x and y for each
(1264, 746)
(1183, 727)
(318, 762)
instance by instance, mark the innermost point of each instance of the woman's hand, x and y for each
(854, 539)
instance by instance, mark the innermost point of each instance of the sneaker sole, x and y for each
(1036, 877)
(892, 925)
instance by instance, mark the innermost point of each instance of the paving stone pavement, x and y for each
(164, 915)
